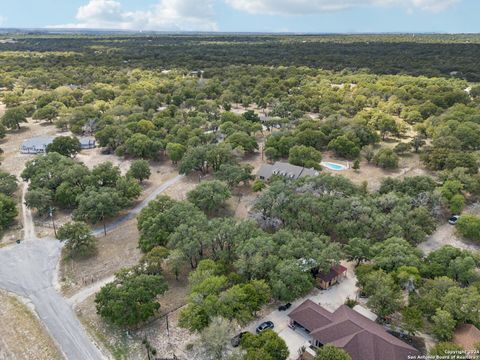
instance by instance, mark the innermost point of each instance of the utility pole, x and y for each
(53, 221)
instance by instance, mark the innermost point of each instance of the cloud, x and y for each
(303, 7)
(3, 20)
(188, 15)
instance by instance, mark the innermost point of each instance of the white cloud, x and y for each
(189, 15)
(303, 7)
(3, 20)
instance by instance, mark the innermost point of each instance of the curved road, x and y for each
(29, 270)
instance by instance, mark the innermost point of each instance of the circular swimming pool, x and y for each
(334, 166)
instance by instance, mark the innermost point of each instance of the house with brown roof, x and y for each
(360, 337)
(325, 280)
(468, 337)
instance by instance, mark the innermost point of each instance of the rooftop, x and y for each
(349, 330)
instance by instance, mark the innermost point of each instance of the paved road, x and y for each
(29, 269)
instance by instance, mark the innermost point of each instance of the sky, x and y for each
(301, 16)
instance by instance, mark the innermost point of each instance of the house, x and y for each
(468, 337)
(360, 337)
(87, 143)
(37, 145)
(286, 170)
(325, 280)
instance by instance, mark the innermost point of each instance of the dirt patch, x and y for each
(115, 251)
(21, 334)
(373, 175)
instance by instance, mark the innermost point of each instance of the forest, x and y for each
(402, 111)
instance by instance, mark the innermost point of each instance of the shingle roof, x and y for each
(362, 338)
(334, 272)
(467, 336)
(285, 169)
(311, 315)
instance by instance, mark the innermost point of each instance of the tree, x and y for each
(394, 253)
(444, 350)
(384, 295)
(140, 145)
(233, 175)
(469, 227)
(443, 325)
(356, 165)
(65, 145)
(343, 146)
(175, 152)
(243, 140)
(48, 112)
(386, 159)
(8, 183)
(151, 262)
(97, 205)
(139, 170)
(268, 341)
(40, 199)
(8, 211)
(289, 282)
(412, 320)
(386, 124)
(105, 175)
(358, 250)
(13, 117)
(130, 299)
(258, 185)
(209, 195)
(215, 338)
(305, 156)
(78, 239)
(112, 136)
(463, 304)
(330, 352)
(194, 159)
(417, 142)
(368, 153)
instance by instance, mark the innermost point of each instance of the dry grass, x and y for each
(21, 334)
(115, 251)
(129, 346)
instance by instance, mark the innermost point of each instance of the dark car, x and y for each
(264, 326)
(284, 307)
(453, 220)
(237, 339)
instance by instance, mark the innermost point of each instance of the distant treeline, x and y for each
(430, 55)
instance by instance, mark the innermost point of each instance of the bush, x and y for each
(258, 186)
(8, 211)
(469, 227)
(386, 159)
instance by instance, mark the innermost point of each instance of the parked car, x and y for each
(453, 220)
(265, 326)
(284, 307)
(237, 339)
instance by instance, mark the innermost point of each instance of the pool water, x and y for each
(334, 166)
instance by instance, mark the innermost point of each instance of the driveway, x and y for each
(330, 299)
(136, 210)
